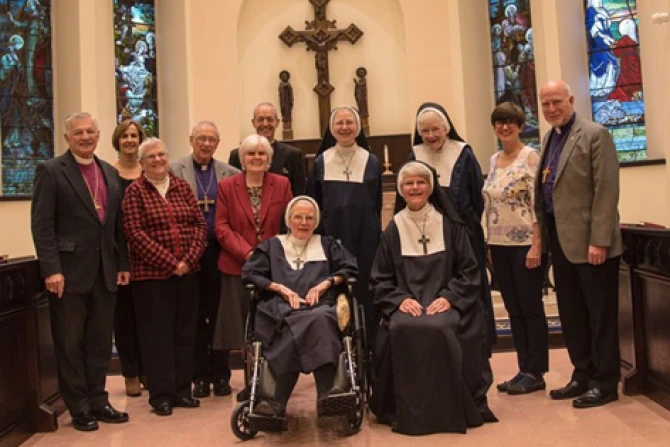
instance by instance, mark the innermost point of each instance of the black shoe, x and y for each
(595, 397)
(186, 402)
(570, 391)
(527, 384)
(502, 387)
(221, 388)
(164, 409)
(84, 421)
(110, 415)
(243, 395)
(200, 389)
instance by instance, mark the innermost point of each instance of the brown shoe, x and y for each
(133, 388)
(342, 310)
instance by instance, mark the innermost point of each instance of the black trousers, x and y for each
(588, 303)
(81, 326)
(521, 290)
(210, 364)
(125, 333)
(166, 315)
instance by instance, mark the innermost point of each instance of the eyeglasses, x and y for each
(157, 156)
(508, 123)
(202, 139)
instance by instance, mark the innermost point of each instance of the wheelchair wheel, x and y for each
(239, 422)
(363, 358)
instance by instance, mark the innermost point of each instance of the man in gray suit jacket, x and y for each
(576, 205)
(78, 236)
(203, 172)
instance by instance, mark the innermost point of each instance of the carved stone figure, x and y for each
(285, 96)
(361, 92)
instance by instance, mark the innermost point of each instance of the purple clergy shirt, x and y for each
(91, 173)
(205, 182)
(554, 150)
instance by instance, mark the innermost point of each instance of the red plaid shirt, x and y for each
(162, 232)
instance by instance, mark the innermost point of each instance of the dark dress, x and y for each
(465, 191)
(351, 212)
(428, 368)
(126, 340)
(304, 339)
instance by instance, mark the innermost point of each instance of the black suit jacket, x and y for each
(287, 161)
(68, 235)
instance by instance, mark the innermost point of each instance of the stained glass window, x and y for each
(26, 97)
(135, 60)
(514, 61)
(615, 74)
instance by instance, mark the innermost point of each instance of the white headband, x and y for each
(291, 204)
(357, 117)
(414, 164)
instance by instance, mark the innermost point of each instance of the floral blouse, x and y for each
(255, 197)
(509, 195)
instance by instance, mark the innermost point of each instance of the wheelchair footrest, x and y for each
(258, 422)
(337, 404)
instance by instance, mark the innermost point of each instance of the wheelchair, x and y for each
(245, 423)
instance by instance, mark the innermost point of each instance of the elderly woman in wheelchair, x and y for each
(300, 300)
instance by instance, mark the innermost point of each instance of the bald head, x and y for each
(557, 102)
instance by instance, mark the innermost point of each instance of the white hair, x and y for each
(203, 123)
(77, 117)
(148, 144)
(252, 142)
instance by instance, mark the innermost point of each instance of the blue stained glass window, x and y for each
(615, 74)
(26, 92)
(135, 60)
(513, 58)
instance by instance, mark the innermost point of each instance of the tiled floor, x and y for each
(531, 420)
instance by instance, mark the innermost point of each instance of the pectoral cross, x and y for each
(206, 202)
(545, 174)
(347, 172)
(298, 263)
(425, 241)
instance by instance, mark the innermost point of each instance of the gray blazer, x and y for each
(586, 192)
(183, 167)
(68, 234)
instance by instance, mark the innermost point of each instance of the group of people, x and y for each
(175, 241)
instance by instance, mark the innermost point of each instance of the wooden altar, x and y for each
(644, 313)
(29, 399)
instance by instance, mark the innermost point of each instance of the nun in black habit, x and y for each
(300, 275)
(437, 143)
(346, 182)
(426, 286)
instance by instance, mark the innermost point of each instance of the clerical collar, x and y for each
(421, 232)
(82, 160)
(298, 252)
(567, 126)
(202, 167)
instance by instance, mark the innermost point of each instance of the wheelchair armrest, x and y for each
(254, 293)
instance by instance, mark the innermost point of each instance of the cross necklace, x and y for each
(423, 240)
(298, 261)
(546, 172)
(94, 195)
(205, 201)
(346, 171)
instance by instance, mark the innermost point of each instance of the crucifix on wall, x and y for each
(321, 36)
